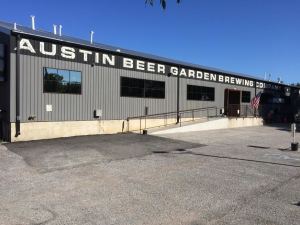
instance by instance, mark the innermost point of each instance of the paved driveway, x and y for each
(238, 176)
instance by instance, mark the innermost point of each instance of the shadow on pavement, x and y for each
(240, 159)
(280, 126)
(256, 146)
(57, 154)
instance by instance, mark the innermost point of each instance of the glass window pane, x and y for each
(136, 83)
(154, 89)
(65, 76)
(148, 93)
(50, 74)
(149, 84)
(132, 92)
(52, 80)
(75, 82)
(50, 86)
(75, 77)
(154, 93)
(132, 87)
(200, 93)
(125, 82)
(246, 96)
(58, 81)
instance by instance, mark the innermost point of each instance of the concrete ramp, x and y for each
(221, 123)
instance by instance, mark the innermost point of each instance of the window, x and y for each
(2, 62)
(246, 96)
(200, 93)
(62, 81)
(140, 88)
(154, 89)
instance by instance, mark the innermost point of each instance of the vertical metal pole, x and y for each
(18, 122)
(127, 125)
(255, 93)
(294, 136)
(227, 106)
(178, 90)
(140, 125)
(294, 132)
(180, 119)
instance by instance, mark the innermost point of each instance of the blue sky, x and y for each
(249, 36)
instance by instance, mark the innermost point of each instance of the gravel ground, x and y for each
(237, 176)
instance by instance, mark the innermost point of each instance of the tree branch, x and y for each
(163, 3)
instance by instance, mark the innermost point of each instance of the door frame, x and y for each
(227, 110)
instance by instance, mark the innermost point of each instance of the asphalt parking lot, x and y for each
(238, 176)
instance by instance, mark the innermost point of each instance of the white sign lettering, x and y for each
(26, 45)
(43, 51)
(116, 60)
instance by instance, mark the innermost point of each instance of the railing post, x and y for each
(180, 118)
(140, 125)
(127, 125)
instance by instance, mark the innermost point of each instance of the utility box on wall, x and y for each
(49, 108)
(98, 113)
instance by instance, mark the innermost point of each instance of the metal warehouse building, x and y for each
(56, 86)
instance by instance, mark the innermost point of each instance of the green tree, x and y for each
(163, 3)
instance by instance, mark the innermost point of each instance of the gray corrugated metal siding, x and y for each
(100, 90)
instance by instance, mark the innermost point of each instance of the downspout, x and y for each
(178, 97)
(18, 122)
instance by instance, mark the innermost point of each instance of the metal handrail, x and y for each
(165, 116)
(170, 113)
(243, 111)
